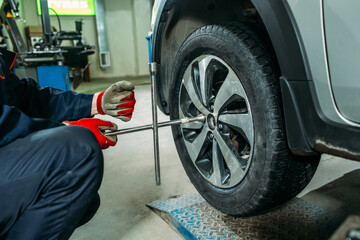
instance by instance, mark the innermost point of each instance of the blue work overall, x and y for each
(49, 173)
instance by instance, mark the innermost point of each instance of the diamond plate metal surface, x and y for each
(194, 218)
(177, 202)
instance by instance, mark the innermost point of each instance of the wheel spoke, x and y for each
(229, 88)
(204, 85)
(196, 146)
(189, 85)
(242, 121)
(192, 125)
(218, 166)
(181, 114)
(229, 156)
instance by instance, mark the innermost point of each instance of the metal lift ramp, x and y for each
(194, 218)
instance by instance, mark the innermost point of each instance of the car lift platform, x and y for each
(194, 218)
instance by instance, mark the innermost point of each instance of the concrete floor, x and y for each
(129, 184)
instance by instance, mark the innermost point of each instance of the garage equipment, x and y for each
(9, 15)
(46, 46)
(313, 215)
(155, 124)
(193, 218)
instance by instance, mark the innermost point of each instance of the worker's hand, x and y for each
(98, 127)
(117, 101)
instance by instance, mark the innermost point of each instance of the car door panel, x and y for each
(342, 31)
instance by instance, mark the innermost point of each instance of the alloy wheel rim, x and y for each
(221, 147)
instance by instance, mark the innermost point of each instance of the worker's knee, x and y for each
(81, 144)
(74, 149)
(73, 140)
(76, 136)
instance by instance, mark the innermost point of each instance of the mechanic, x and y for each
(51, 169)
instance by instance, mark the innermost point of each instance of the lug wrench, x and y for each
(199, 118)
(155, 125)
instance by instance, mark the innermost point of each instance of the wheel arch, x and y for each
(177, 19)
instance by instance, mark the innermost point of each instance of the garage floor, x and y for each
(129, 184)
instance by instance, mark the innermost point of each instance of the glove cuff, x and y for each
(98, 103)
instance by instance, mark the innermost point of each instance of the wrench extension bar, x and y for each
(200, 118)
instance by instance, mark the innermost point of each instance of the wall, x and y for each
(127, 25)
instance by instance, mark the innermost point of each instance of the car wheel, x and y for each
(238, 157)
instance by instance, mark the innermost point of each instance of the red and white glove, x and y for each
(117, 101)
(97, 127)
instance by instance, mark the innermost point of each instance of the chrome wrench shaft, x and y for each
(200, 118)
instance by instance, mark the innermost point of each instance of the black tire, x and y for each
(273, 175)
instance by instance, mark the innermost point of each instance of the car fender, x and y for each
(303, 135)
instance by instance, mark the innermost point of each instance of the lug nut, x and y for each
(220, 126)
(211, 135)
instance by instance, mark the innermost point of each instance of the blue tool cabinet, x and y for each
(54, 76)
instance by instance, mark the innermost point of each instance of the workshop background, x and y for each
(129, 182)
(127, 23)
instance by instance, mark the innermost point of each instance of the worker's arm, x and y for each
(49, 103)
(15, 124)
(25, 94)
(38, 102)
